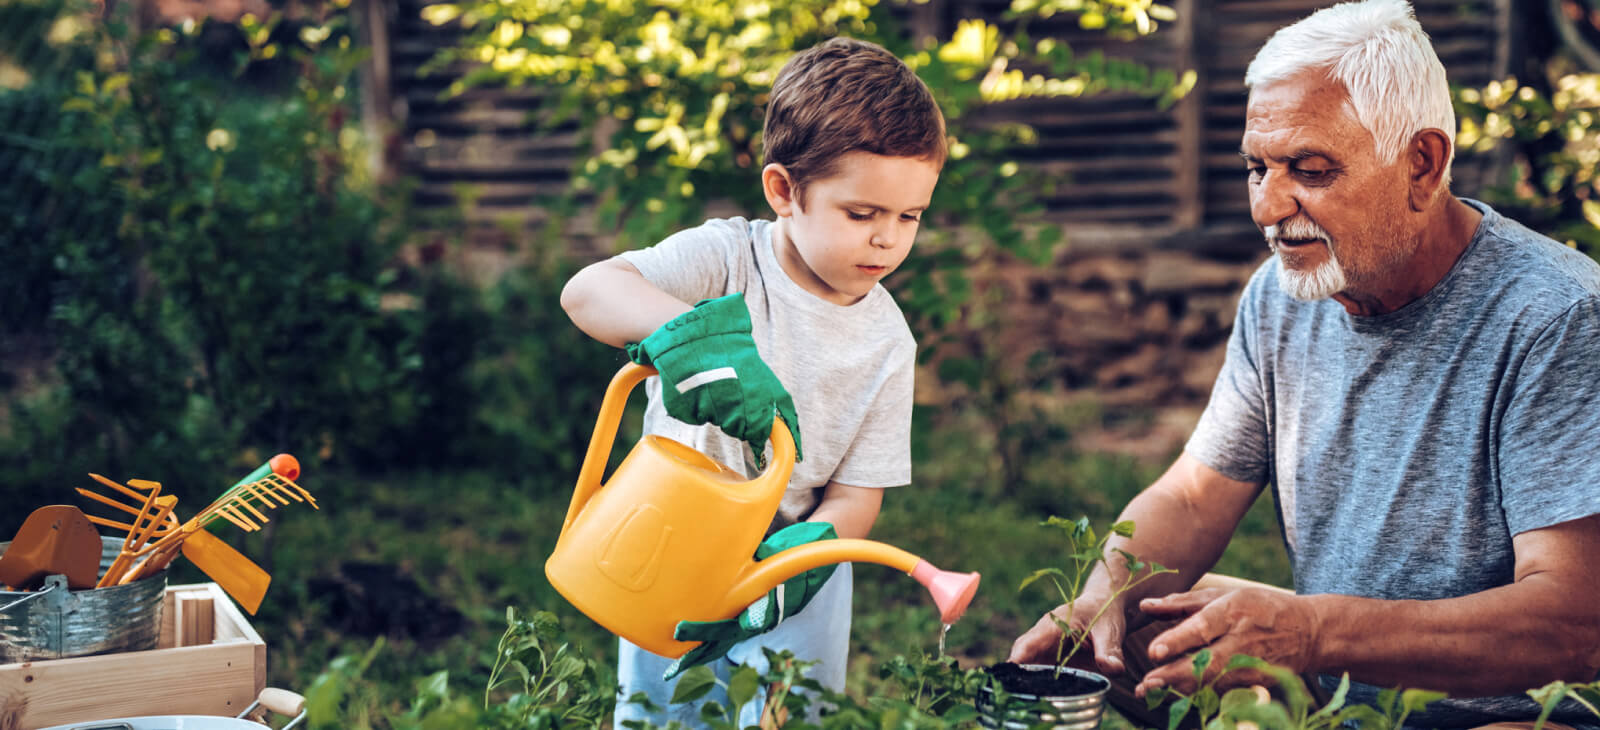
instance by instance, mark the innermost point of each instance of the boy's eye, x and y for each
(859, 216)
(910, 217)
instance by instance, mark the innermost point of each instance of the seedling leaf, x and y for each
(1337, 700)
(694, 684)
(1415, 700)
(1041, 573)
(1176, 712)
(742, 686)
(1201, 661)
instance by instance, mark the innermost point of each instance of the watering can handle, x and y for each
(605, 433)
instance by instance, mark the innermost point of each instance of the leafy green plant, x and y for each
(1086, 551)
(1548, 696)
(1552, 129)
(932, 686)
(669, 109)
(219, 278)
(558, 687)
(555, 685)
(1296, 710)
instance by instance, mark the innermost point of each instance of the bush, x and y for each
(214, 286)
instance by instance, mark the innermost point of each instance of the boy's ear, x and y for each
(779, 189)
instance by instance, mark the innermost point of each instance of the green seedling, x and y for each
(1088, 550)
(1254, 706)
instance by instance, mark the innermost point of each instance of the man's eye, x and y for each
(1313, 175)
(1256, 171)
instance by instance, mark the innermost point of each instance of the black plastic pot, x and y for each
(1039, 694)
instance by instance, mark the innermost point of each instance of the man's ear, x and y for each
(1428, 157)
(779, 189)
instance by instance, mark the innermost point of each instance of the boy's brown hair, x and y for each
(845, 95)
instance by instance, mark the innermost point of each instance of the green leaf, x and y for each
(1176, 712)
(1337, 701)
(1202, 659)
(1243, 661)
(1205, 701)
(435, 685)
(694, 684)
(1123, 528)
(1415, 700)
(743, 686)
(1042, 573)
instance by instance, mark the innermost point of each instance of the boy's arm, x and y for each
(852, 510)
(613, 303)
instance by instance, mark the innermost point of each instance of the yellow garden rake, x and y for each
(155, 536)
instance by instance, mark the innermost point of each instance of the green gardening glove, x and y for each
(711, 373)
(718, 637)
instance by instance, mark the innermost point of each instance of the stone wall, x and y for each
(1140, 334)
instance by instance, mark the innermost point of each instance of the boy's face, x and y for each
(855, 227)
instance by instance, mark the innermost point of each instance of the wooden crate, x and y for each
(209, 662)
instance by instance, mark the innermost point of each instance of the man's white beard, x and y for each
(1322, 282)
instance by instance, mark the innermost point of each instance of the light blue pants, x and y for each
(819, 632)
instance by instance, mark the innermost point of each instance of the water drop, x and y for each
(942, 632)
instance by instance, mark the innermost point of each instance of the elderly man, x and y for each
(1418, 379)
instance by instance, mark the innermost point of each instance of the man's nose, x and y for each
(1272, 199)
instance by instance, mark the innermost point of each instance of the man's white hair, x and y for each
(1379, 52)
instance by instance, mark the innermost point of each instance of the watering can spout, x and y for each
(951, 591)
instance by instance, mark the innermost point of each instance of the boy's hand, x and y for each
(718, 637)
(711, 373)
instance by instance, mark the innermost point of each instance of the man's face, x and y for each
(1335, 215)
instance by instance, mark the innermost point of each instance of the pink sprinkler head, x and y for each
(951, 591)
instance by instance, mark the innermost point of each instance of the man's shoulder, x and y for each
(1529, 267)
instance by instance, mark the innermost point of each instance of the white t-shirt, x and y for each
(849, 369)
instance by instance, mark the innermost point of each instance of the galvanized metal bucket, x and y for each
(1024, 711)
(55, 623)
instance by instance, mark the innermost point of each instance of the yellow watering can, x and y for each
(670, 537)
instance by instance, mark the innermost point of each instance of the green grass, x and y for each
(475, 544)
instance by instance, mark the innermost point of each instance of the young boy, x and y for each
(792, 307)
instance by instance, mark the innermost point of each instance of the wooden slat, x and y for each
(1116, 158)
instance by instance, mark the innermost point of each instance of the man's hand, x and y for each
(711, 373)
(1270, 625)
(1041, 644)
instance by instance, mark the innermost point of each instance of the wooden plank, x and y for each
(220, 678)
(193, 621)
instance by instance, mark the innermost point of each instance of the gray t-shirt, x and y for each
(1406, 449)
(849, 369)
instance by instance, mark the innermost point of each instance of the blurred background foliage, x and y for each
(201, 272)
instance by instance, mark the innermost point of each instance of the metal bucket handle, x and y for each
(51, 583)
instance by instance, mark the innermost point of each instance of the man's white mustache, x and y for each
(1298, 229)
